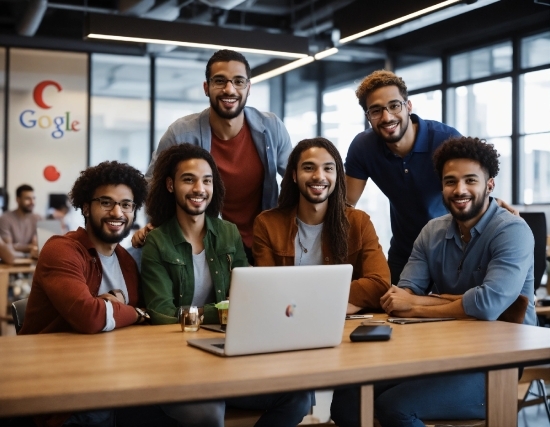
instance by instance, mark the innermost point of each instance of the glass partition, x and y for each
(482, 62)
(423, 74)
(535, 50)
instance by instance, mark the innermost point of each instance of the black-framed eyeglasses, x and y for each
(393, 107)
(237, 82)
(108, 204)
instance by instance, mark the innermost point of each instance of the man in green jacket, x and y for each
(187, 260)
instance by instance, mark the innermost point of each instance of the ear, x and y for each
(409, 106)
(205, 87)
(86, 210)
(294, 176)
(490, 184)
(170, 184)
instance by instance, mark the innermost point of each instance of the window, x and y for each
(480, 63)
(2, 115)
(424, 74)
(427, 105)
(300, 107)
(535, 144)
(535, 50)
(120, 110)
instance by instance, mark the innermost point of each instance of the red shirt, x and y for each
(242, 173)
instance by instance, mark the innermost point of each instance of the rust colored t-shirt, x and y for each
(242, 172)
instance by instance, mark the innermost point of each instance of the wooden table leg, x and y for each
(367, 406)
(4, 283)
(502, 398)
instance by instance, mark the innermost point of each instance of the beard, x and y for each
(316, 199)
(477, 204)
(100, 233)
(224, 114)
(392, 139)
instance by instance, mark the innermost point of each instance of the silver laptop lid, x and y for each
(45, 229)
(286, 308)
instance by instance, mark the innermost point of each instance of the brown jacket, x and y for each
(274, 234)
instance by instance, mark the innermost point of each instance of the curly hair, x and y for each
(376, 80)
(161, 204)
(107, 173)
(226, 55)
(466, 147)
(336, 224)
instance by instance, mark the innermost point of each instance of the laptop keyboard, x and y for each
(222, 346)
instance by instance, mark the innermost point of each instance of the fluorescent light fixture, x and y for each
(131, 29)
(196, 45)
(283, 69)
(325, 53)
(398, 21)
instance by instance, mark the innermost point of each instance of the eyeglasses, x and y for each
(108, 204)
(393, 107)
(237, 82)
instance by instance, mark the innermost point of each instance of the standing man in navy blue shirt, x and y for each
(396, 153)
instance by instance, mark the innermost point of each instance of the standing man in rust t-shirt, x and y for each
(249, 147)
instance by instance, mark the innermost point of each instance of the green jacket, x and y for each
(167, 277)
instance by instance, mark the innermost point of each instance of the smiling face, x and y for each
(192, 185)
(389, 127)
(466, 190)
(227, 102)
(108, 227)
(315, 175)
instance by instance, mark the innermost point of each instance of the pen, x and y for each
(366, 322)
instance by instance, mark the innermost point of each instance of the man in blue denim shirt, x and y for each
(250, 147)
(480, 260)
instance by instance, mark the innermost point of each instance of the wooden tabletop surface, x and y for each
(153, 364)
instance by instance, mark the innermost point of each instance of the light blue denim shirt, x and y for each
(269, 134)
(490, 271)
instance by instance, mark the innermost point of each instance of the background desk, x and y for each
(152, 364)
(5, 271)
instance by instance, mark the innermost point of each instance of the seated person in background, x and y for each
(480, 260)
(85, 281)
(59, 208)
(187, 260)
(313, 226)
(18, 227)
(8, 255)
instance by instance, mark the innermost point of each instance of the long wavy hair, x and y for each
(161, 204)
(336, 224)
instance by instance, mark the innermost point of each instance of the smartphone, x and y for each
(371, 333)
(358, 316)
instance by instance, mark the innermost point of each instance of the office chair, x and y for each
(18, 309)
(537, 222)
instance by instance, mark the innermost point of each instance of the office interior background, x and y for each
(68, 101)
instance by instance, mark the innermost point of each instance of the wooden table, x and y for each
(152, 364)
(5, 271)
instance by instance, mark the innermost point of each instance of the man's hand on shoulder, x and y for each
(506, 206)
(138, 239)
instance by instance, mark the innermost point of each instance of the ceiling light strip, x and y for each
(283, 69)
(197, 45)
(325, 53)
(398, 21)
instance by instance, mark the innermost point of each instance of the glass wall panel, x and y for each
(536, 168)
(482, 62)
(300, 107)
(179, 91)
(421, 75)
(2, 120)
(427, 105)
(120, 110)
(503, 187)
(535, 96)
(483, 110)
(535, 50)
(342, 120)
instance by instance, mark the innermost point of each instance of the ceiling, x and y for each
(60, 24)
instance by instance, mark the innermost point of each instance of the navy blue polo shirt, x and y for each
(410, 183)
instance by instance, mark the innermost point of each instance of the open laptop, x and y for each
(283, 308)
(45, 229)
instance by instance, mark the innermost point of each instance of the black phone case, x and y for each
(371, 333)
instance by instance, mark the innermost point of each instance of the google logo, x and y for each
(61, 124)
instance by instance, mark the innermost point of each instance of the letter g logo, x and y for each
(39, 92)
